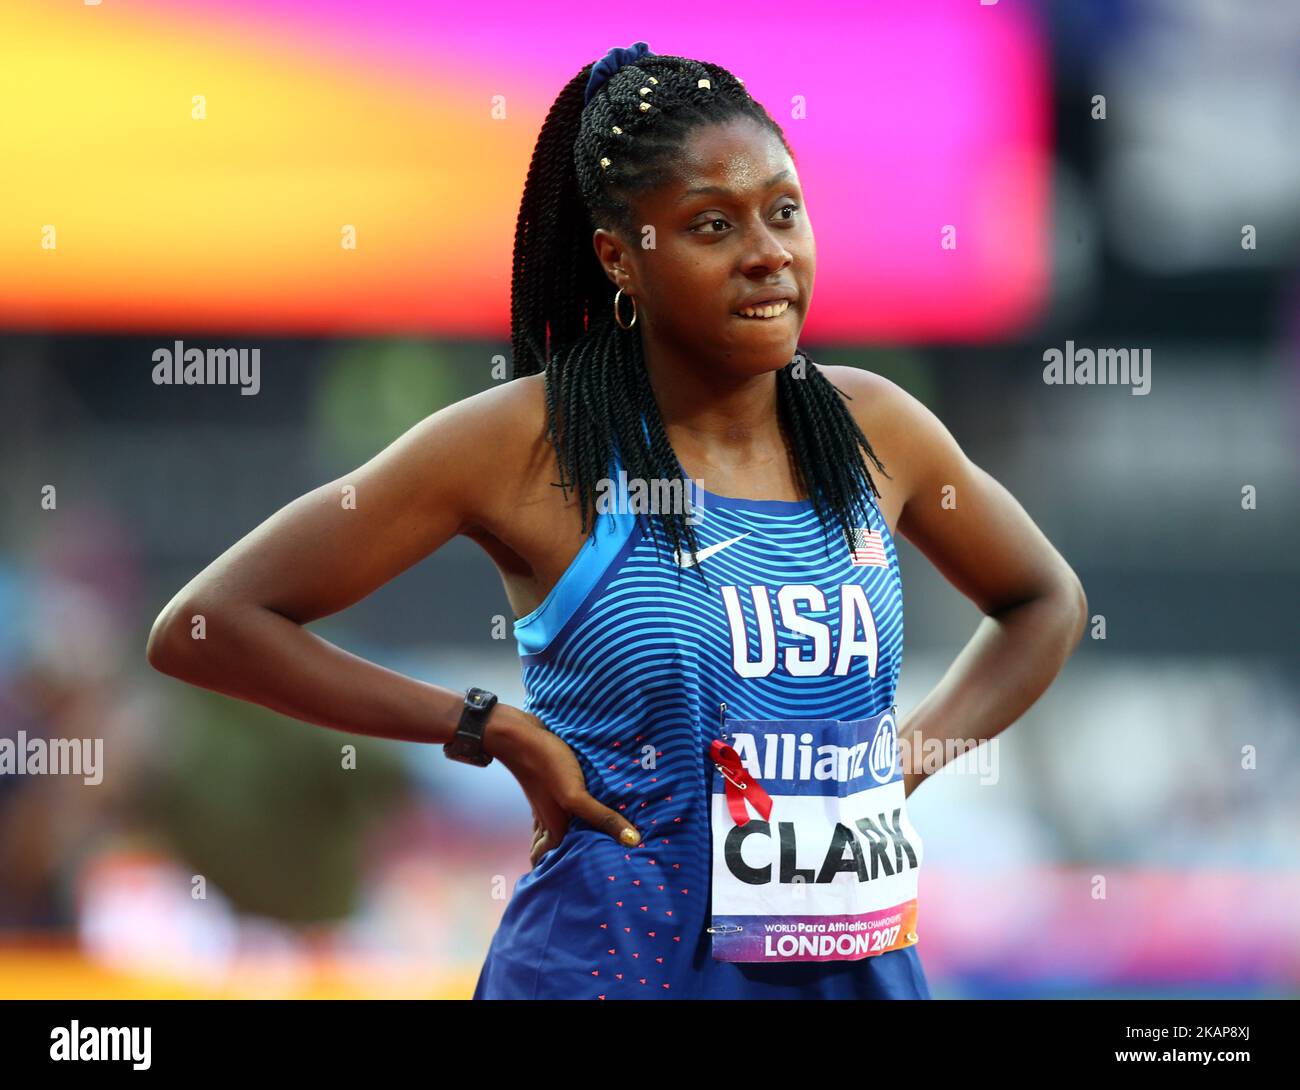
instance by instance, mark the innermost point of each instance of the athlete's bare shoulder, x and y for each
(493, 444)
(508, 413)
(967, 524)
(529, 529)
(453, 471)
(874, 400)
(894, 423)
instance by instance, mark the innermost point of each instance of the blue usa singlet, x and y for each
(628, 665)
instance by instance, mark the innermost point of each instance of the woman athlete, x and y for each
(708, 741)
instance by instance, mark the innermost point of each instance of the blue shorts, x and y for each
(570, 932)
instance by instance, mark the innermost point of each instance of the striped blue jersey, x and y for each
(628, 660)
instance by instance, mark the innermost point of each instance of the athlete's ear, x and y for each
(610, 252)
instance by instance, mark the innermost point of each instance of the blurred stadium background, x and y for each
(218, 221)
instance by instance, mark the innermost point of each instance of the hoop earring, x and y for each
(617, 318)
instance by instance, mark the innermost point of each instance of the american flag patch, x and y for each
(868, 549)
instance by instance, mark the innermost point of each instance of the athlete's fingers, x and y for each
(541, 842)
(608, 821)
(555, 820)
(541, 845)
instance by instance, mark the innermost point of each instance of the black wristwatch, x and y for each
(467, 745)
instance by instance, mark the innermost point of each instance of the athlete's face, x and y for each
(730, 228)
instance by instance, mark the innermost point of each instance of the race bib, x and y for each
(814, 858)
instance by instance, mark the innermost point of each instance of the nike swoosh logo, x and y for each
(704, 554)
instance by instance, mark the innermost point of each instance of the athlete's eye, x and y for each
(697, 229)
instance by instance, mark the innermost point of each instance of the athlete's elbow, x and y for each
(173, 636)
(1074, 607)
(160, 650)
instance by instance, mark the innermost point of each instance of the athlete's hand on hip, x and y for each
(551, 778)
(540, 841)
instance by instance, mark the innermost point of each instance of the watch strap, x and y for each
(467, 744)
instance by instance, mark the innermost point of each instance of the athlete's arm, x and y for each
(238, 626)
(985, 544)
(314, 557)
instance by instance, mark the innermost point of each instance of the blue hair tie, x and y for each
(610, 63)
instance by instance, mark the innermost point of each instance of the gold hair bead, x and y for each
(652, 79)
(645, 106)
(604, 164)
(645, 90)
(705, 83)
(618, 130)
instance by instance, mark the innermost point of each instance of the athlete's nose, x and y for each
(766, 254)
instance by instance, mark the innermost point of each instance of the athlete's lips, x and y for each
(766, 296)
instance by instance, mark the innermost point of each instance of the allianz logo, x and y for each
(790, 755)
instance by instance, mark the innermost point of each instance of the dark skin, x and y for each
(713, 374)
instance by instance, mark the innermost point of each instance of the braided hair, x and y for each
(598, 391)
